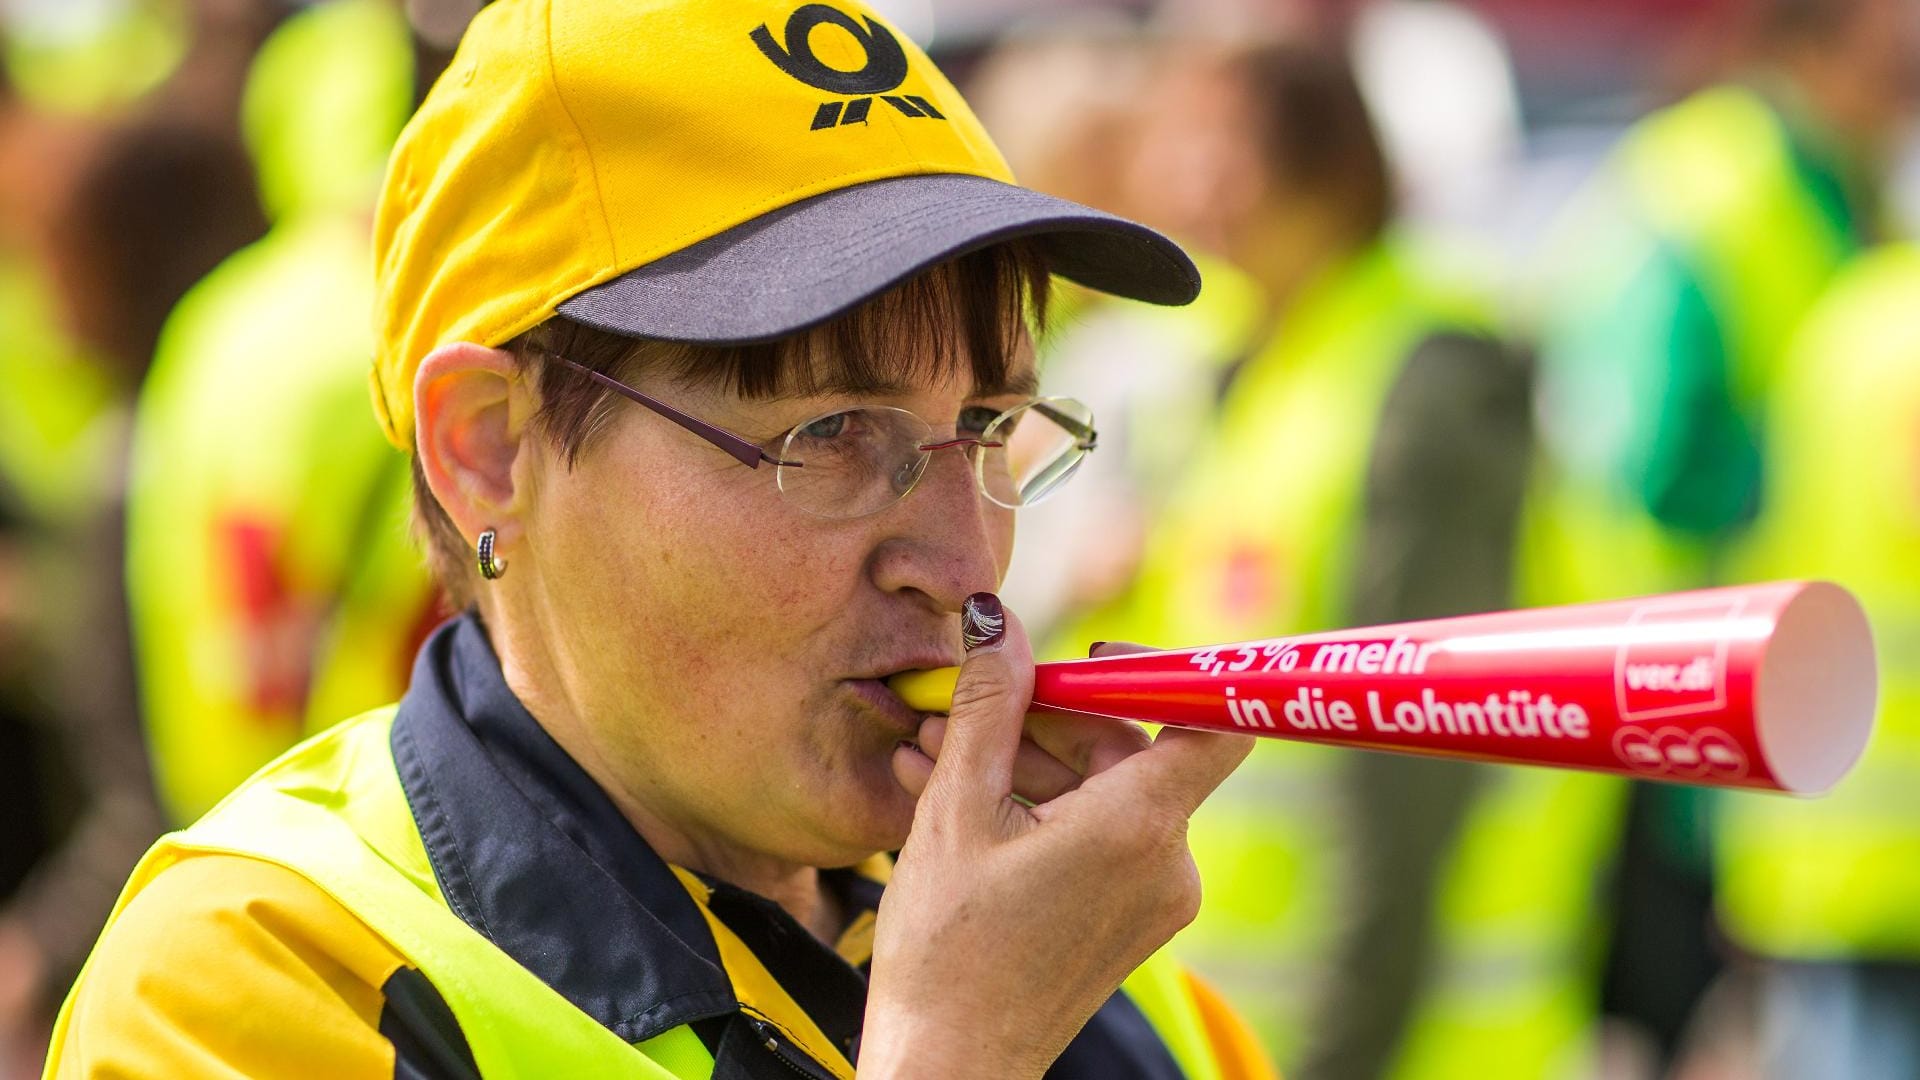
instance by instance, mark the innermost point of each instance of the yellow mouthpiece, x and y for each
(927, 691)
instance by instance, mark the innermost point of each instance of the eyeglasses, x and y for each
(853, 462)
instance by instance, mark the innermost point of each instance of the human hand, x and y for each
(1039, 872)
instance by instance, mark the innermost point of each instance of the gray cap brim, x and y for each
(801, 265)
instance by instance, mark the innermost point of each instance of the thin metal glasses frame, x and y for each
(751, 454)
(743, 450)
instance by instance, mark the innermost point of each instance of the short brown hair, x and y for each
(974, 309)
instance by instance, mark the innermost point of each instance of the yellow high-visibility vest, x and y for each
(333, 811)
(1838, 878)
(1713, 184)
(53, 399)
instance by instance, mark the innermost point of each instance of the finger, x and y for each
(1195, 763)
(1184, 766)
(1038, 776)
(1091, 745)
(912, 767)
(1116, 648)
(1086, 744)
(989, 705)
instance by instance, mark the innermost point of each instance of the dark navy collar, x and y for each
(531, 853)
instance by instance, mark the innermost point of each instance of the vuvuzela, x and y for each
(1757, 686)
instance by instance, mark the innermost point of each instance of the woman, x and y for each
(720, 401)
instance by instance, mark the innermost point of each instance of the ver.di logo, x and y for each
(885, 69)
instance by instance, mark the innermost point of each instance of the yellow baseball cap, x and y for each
(709, 171)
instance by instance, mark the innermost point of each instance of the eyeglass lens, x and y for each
(860, 461)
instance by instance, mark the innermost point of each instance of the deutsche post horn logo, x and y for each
(885, 69)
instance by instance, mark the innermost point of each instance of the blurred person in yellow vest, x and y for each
(276, 588)
(1065, 103)
(1680, 275)
(1827, 892)
(1678, 280)
(1375, 915)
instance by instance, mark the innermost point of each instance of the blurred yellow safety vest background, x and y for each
(121, 52)
(1259, 541)
(272, 584)
(1703, 212)
(1152, 375)
(53, 445)
(1838, 878)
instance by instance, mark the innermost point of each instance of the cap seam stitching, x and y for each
(895, 125)
(593, 168)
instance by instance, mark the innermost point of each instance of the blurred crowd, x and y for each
(1508, 302)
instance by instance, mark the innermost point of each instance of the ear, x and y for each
(471, 411)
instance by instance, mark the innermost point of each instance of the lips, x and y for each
(870, 685)
(881, 699)
(924, 660)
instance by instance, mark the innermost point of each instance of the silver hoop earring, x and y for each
(490, 567)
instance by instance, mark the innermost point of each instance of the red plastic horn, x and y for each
(1757, 686)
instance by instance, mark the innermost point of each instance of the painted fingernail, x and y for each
(982, 621)
(1094, 649)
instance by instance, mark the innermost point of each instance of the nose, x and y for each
(945, 540)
